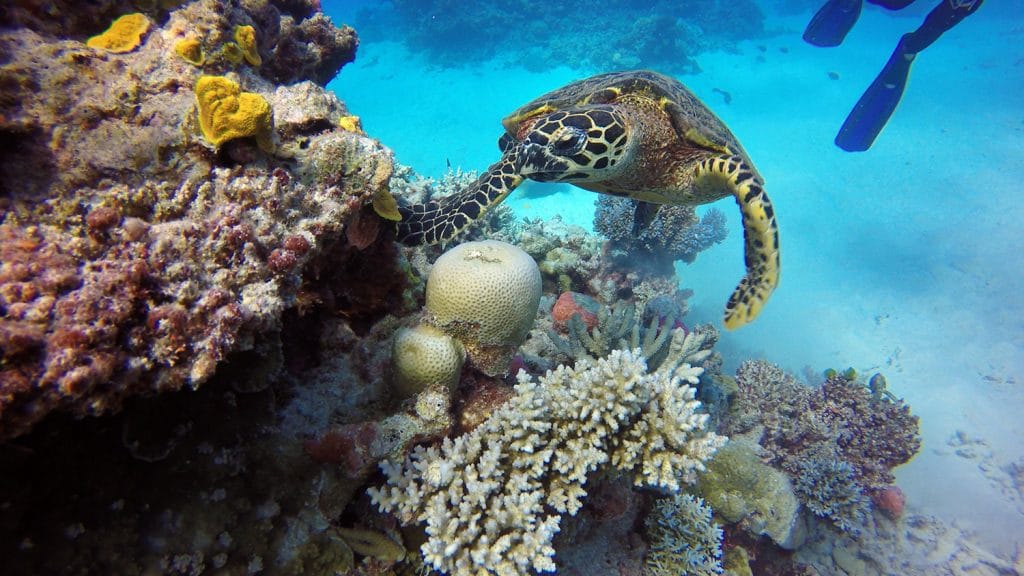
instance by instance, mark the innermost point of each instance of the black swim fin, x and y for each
(876, 105)
(832, 22)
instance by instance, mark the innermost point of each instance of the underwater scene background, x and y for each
(215, 357)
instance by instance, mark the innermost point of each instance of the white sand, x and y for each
(905, 259)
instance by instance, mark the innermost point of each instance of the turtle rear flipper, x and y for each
(441, 220)
(760, 236)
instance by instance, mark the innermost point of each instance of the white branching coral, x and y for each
(492, 499)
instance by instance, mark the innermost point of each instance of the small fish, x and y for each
(725, 95)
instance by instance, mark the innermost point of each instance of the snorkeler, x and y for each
(830, 26)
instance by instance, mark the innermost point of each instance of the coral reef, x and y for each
(828, 488)
(840, 419)
(627, 35)
(675, 233)
(742, 489)
(684, 540)
(136, 259)
(485, 294)
(492, 499)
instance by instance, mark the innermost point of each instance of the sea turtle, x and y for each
(637, 134)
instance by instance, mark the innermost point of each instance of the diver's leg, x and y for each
(892, 4)
(832, 22)
(874, 108)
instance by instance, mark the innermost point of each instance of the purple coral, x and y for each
(675, 233)
(840, 419)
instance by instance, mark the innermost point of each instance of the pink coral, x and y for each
(890, 500)
(566, 307)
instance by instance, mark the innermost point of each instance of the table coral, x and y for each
(492, 499)
(124, 35)
(226, 113)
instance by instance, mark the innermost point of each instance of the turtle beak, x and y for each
(538, 163)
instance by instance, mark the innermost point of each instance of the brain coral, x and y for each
(485, 294)
(424, 356)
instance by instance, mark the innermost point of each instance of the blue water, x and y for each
(906, 258)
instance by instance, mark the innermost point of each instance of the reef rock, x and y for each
(137, 254)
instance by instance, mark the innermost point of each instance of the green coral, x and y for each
(736, 562)
(683, 538)
(741, 488)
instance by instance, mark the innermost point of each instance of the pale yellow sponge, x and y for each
(424, 357)
(486, 295)
(124, 35)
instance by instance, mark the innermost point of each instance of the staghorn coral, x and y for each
(492, 499)
(684, 539)
(124, 35)
(619, 328)
(226, 113)
(485, 294)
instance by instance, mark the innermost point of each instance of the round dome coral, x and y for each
(486, 295)
(424, 356)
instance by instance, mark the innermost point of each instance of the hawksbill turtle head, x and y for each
(584, 144)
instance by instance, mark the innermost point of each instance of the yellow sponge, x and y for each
(226, 113)
(245, 37)
(191, 50)
(124, 35)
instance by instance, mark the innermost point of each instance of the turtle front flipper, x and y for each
(441, 220)
(760, 236)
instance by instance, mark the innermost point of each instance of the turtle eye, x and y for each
(568, 140)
